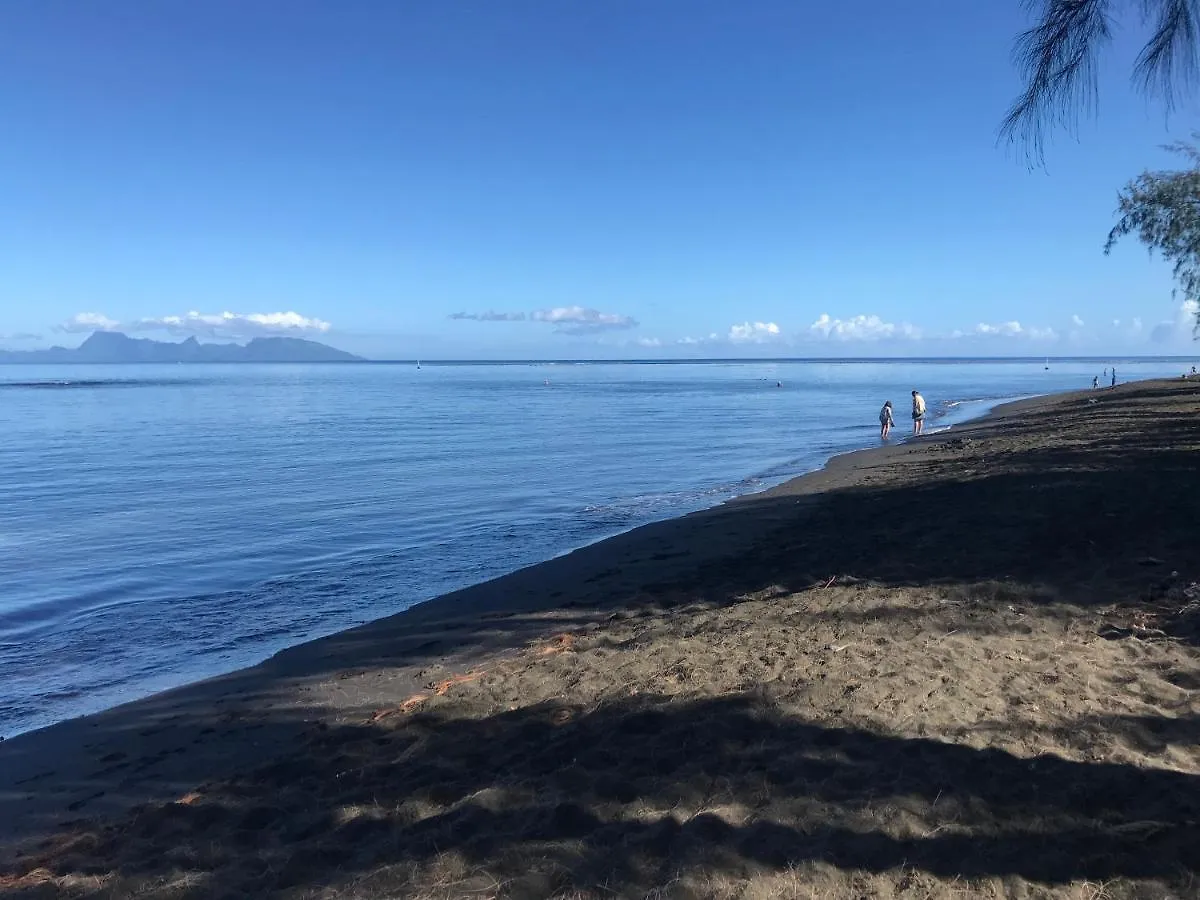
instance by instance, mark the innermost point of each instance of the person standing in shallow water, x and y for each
(1114, 380)
(885, 420)
(918, 412)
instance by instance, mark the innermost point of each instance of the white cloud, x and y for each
(582, 320)
(490, 316)
(88, 321)
(1136, 325)
(1004, 329)
(19, 336)
(753, 332)
(861, 328)
(1010, 329)
(649, 342)
(1076, 321)
(711, 338)
(565, 319)
(1180, 328)
(233, 325)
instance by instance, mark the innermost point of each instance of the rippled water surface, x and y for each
(160, 524)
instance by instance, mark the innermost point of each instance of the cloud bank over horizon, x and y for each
(871, 334)
(863, 333)
(582, 331)
(576, 320)
(219, 326)
(489, 316)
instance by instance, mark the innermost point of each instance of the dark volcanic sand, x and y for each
(964, 667)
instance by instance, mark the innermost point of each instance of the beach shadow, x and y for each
(1108, 519)
(632, 796)
(1147, 735)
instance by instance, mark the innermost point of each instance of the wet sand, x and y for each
(965, 666)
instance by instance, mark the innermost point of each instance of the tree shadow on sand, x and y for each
(628, 796)
(1107, 518)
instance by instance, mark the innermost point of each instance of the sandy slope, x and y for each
(968, 667)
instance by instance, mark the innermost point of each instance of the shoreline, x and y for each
(772, 484)
(977, 624)
(994, 405)
(21, 755)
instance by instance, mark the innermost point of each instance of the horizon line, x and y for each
(649, 360)
(415, 361)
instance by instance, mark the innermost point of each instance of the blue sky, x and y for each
(549, 179)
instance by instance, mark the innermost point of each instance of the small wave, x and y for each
(949, 407)
(35, 384)
(643, 504)
(95, 383)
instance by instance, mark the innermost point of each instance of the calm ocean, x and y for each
(162, 524)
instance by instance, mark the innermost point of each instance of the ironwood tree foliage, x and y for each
(1163, 209)
(1058, 57)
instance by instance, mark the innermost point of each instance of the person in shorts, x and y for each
(918, 412)
(885, 420)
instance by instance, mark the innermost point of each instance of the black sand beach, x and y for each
(965, 666)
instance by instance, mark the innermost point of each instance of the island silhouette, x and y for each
(115, 347)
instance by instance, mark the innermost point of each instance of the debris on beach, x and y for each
(560, 643)
(1170, 610)
(406, 707)
(442, 687)
(438, 688)
(955, 444)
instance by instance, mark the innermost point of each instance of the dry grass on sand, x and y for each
(971, 669)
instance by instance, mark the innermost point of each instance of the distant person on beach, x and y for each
(1095, 382)
(918, 413)
(885, 420)
(1114, 380)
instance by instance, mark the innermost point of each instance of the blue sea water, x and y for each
(162, 524)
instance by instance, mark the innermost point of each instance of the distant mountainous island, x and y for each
(114, 347)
